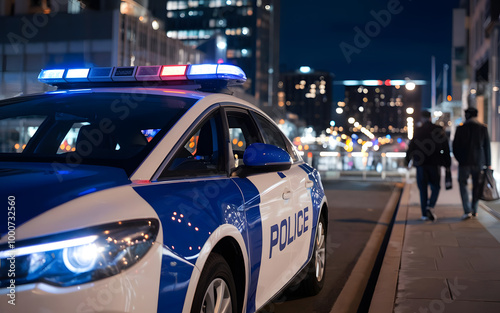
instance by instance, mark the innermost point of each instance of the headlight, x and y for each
(78, 257)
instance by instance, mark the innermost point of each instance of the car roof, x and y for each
(180, 91)
(161, 91)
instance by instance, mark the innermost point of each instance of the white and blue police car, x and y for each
(152, 189)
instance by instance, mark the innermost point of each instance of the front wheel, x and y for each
(315, 279)
(216, 291)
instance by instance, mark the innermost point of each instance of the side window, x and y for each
(273, 136)
(15, 133)
(242, 133)
(69, 141)
(201, 154)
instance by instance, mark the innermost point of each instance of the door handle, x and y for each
(309, 183)
(287, 195)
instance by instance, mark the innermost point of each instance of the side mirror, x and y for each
(266, 158)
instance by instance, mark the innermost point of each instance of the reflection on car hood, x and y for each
(38, 187)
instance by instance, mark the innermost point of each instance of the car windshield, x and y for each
(112, 129)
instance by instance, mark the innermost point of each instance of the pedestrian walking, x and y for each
(471, 147)
(429, 149)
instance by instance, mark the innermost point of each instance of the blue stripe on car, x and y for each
(317, 195)
(175, 277)
(195, 209)
(253, 237)
(39, 187)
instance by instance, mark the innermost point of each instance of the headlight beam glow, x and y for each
(48, 246)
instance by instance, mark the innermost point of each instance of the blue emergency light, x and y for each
(52, 76)
(100, 74)
(231, 74)
(77, 74)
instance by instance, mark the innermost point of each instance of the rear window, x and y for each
(112, 129)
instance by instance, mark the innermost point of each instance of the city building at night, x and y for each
(56, 33)
(478, 21)
(381, 106)
(459, 55)
(241, 32)
(448, 111)
(484, 51)
(308, 95)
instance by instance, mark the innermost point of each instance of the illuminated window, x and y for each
(213, 23)
(231, 53)
(216, 3)
(73, 6)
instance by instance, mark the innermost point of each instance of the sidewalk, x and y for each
(449, 266)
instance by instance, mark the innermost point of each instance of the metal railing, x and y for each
(334, 164)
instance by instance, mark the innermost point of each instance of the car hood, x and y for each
(38, 187)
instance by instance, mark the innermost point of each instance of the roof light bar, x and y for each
(51, 76)
(77, 75)
(174, 72)
(148, 73)
(202, 71)
(100, 74)
(226, 71)
(198, 72)
(126, 73)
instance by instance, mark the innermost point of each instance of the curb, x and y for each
(387, 284)
(350, 298)
(485, 207)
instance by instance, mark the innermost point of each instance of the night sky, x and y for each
(312, 35)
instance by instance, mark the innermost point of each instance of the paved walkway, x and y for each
(449, 266)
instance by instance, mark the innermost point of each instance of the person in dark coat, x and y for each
(429, 149)
(471, 147)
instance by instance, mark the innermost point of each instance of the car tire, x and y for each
(315, 270)
(216, 291)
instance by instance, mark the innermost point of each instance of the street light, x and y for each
(410, 86)
(305, 69)
(155, 25)
(411, 127)
(222, 45)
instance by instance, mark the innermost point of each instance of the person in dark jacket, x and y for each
(429, 149)
(471, 147)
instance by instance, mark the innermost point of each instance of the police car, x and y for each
(152, 189)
